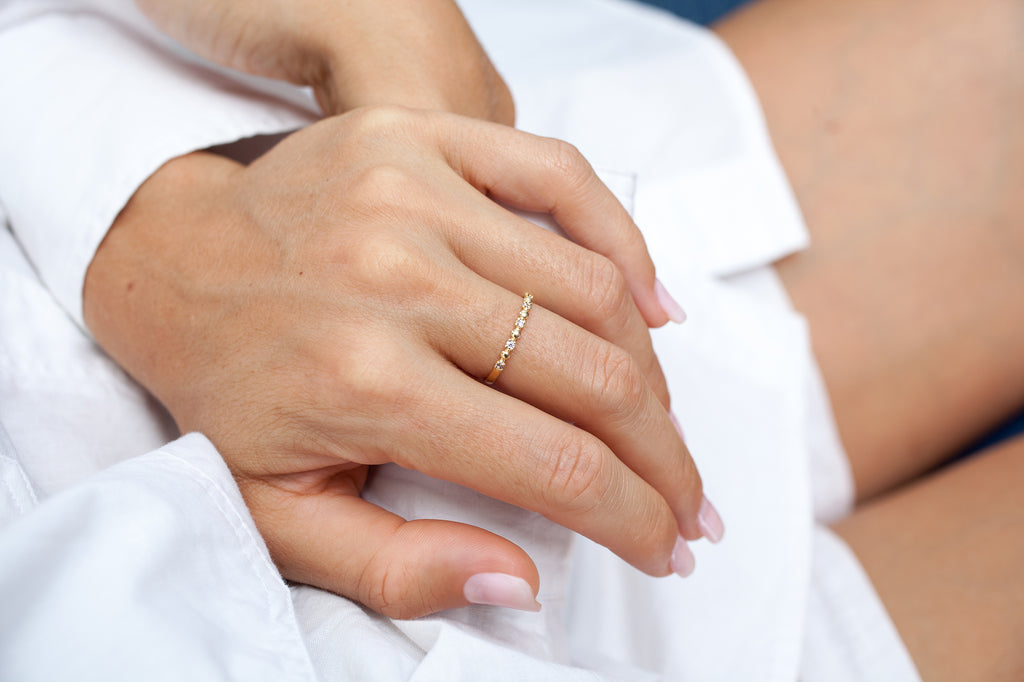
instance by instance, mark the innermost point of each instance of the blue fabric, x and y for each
(1014, 427)
(699, 11)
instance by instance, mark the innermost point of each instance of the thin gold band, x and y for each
(510, 345)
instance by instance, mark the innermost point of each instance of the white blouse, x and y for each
(118, 564)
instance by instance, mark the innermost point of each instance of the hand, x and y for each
(331, 306)
(415, 53)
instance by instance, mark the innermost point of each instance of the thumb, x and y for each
(337, 541)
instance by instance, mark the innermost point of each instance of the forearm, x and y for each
(416, 53)
(116, 108)
(224, 290)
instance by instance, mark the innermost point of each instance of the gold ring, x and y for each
(510, 345)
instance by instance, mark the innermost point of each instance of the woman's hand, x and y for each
(333, 306)
(415, 53)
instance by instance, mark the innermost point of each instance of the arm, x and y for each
(414, 53)
(312, 334)
(95, 108)
(418, 53)
(187, 110)
(112, 559)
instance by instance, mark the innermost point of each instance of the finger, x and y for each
(579, 285)
(567, 372)
(551, 176)
(332, 539)
(507, 449)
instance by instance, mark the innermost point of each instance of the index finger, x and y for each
(579, 285)
(547, 175)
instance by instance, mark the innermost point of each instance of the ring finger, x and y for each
(578, 377)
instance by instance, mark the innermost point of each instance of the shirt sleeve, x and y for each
(95, 102)
(150, 570)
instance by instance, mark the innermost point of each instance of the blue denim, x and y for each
(699, 11)
(1014, 427)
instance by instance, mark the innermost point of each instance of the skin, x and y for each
(311, 334)
(900, 127)
(225, 290)
(906, 290)
(418, 53)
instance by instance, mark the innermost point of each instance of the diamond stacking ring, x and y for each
(510, 345)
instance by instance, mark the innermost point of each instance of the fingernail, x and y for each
(674, 311)
(500, 589)
(675, 423)
(709, 522)
(682, 562)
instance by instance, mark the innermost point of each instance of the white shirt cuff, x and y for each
(100, 106)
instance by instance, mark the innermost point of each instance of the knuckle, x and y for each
(384, 588)
(382, 262)
(608, 293)
(378, 129)
(578, 476)
(369, 380)
(381, 190)
(345, 414)
(377, 121)
(352, 386)
(621, 385)
(394, 586)
(370, 589)
(567, 159)
(570, 166)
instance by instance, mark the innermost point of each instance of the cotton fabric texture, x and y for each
(127, 552)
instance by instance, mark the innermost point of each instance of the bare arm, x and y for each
(333, 305)
(417, 53)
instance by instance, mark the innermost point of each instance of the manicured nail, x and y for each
(500, 589)
(709, 522)
(675, 423)
(682, 562)
(674, 311)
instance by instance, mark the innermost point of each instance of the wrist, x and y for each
(135, 281)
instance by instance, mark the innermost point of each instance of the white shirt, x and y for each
(152, 568)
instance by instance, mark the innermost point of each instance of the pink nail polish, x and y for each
(709, 522)
(674, 311)
(682, 561)
(675, 423)
(500, 589)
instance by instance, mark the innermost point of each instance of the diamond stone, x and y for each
(520, 323)
(510, 344)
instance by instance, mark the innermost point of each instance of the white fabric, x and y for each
(832, 493)
(662, 104)
(849, 636)
(101, 552)
(82, 81)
